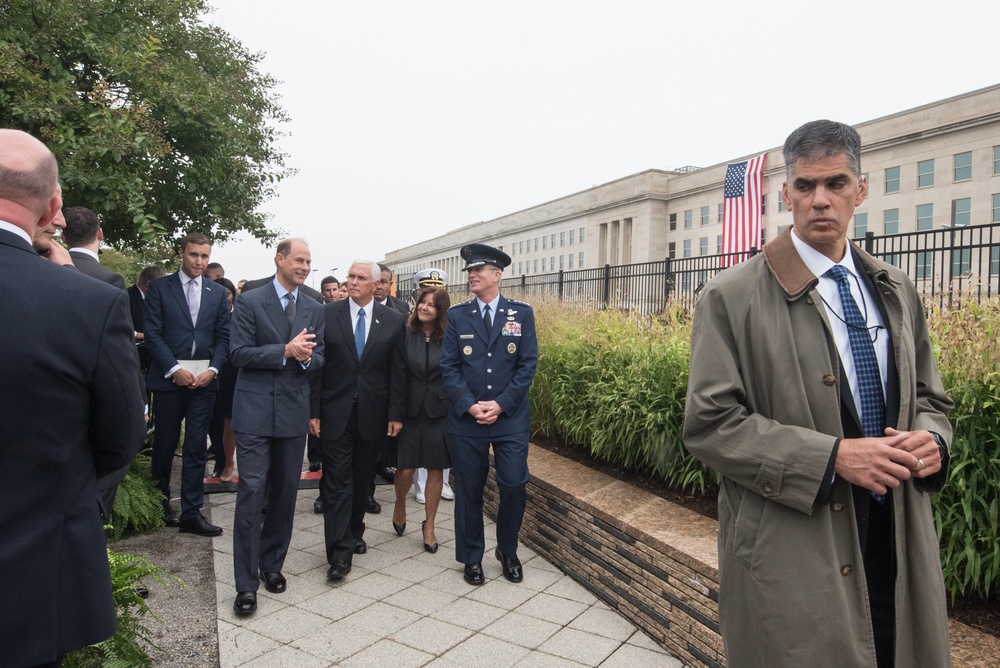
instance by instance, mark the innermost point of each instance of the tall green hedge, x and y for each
(615, 383)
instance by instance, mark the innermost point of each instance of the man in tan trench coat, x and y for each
(827, 550)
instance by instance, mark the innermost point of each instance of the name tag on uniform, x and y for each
(466, 336)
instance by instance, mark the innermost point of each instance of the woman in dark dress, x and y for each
(423, 441)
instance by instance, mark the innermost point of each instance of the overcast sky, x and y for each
(410, 119)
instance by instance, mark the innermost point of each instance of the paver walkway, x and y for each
(402, 606)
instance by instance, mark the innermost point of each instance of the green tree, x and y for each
(161, 123)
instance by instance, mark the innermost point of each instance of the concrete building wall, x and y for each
(641, 218)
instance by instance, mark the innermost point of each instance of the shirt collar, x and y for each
(282, 292)
(819, 264)
(492, 304)
(11, 227)
(86, 251)
(185, 279)
(369, 308)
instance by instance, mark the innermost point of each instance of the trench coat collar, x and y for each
(795, 278)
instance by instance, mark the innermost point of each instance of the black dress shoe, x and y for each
(318, 506)
(313, 467)
(388, 473)
(429, 547)
(245, 603)
(273, 582)
(511, 566)
(338, 570)
(360, 546)
(399, 528)
(474, 573)
(141, 591)
(373, 506)
(170, 518)
(199, 526)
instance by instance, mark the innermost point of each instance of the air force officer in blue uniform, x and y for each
(488, 359)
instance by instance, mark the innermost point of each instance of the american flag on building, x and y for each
(742, 211)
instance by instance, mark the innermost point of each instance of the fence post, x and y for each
(668, 279)
(753, 251)
(870, 242)
(607, 285)
(524, 284)
(560, 285)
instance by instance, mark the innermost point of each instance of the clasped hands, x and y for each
(184, 378)
(878, 464)
(301, 347)
(485, 412)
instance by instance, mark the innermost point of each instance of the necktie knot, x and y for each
(837, 273)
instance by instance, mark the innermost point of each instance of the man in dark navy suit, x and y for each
(83, 235)
(187, 335)
(488, 359)
(358, 400)
(137, 307)
(277, 343)
(56, 594)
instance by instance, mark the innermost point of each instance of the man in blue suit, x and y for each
(488, 359)
(187, 336)
(277, 344)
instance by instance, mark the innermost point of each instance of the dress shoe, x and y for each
(273, 582)
(199, 526)
(373, 506)
(429, 547)
(245, 603)
(313, 467)
(474, 573)
(318, 506)
(399, 528)
(141, 591)
(388, 473)
(446, 492)
(511, 566)
(338, 570)
(360, 546)
(170, 518)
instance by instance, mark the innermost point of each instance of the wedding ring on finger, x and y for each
(920, 464)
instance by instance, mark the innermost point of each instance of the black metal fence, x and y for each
(948, 266)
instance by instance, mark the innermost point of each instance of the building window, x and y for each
(963, 166)
(671, 250)
(892, 180)
(687, 248)
(562, 239)
(552, 242)
(543, 264)
(688, 219)
(536, 266)
(579, 260)
(581, 235)
(892, 259)
(521, 247)
(763, 205)
(891, 219)
(782, 228)
(570, 260)
(703, 246)
(545, 243)
(781, 204)
(860, 224)
(961, 262)
(673, 222)
(995, 261)
(572, 237)
(925, 173)
(961, 212)
(996, 207)
(718, 245)
(704, 215)
(562, 262)
(925, 264)
(925, 217)
(996, 160)
(552, 263)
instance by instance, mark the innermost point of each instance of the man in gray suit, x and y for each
(83, 235)
(276, 342)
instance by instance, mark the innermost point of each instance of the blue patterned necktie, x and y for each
(359, 333)
(866, 370)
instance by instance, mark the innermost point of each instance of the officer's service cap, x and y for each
(432, 277)
(476, 255)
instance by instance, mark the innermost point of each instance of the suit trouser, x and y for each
(470, 464)
(348, 461)
(194, 408)
(880, 576)
(269, 467)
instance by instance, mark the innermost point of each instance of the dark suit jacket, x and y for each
(93, 268)
(507, 357)
(71, 409)
(272, 391)
(377, 381)
(398, 304)
(258, 282)
(424, 384)
(170, 332)
(137, 309)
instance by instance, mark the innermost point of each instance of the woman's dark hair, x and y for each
(442, 302)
